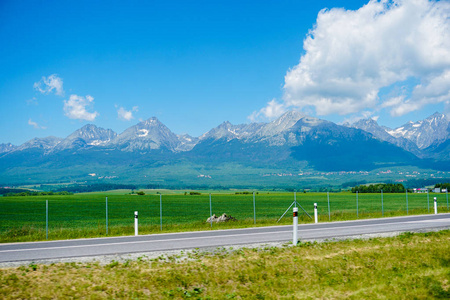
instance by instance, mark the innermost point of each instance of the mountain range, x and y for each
(151, 152)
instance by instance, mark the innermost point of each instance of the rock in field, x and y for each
(222, 218)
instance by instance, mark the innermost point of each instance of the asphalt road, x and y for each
(15, 252)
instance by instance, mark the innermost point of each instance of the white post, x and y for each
(435, 206)
(135, 223)
(315, 213)
(295, 229)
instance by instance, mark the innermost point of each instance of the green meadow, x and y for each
(409, 266)
(84, 215)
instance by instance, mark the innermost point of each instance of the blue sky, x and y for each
(195, 64)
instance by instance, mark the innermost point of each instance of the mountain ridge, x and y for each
(150, 152)
(419, 138)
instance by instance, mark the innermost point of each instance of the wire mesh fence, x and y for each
(74, 216)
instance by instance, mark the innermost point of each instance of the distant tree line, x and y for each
(4, 191)
(31, 193)
(245, 193)
(97, 187)
(376, 188)
(194, 193)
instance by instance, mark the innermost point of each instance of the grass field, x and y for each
(84, 215)
(409, 266)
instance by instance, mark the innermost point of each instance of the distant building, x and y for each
(421, 190)
(436, 190)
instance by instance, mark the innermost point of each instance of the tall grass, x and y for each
(410, 266)
(82, 216)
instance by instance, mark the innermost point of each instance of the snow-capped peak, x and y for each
(424, 132)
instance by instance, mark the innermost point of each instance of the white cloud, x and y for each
(32, 101)
(349, 56)
(35, 125)
(273, 110)
(126, 115)
(75, 108)
(49, 84)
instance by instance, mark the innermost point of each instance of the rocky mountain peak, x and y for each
(288, 119)
(91, 132)
(224, 130)
(151, 122)
(147, 135)
(46, 143)
(283, 123)
(88, 135)
(7, 147)
(382, 133)
(432, 130)
(368, 121)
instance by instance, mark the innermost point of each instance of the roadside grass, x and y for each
(409, 266)
(84, 215)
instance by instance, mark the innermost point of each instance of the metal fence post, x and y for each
(357, 214)
(428, 200)
(382, 206)
(106, 215)
(46, 219)
(160, 210)
(407, 201)
(254, 208)
(446, 192)
(210, 210)
(329, 213)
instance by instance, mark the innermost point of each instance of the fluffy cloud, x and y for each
(350, 56)
(49, 84)
(273, 110)
(126, 115)
(35, 125)
(75, 108)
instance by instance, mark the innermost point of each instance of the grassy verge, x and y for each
(410, 266)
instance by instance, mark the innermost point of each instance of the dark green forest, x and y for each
(377, 188)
